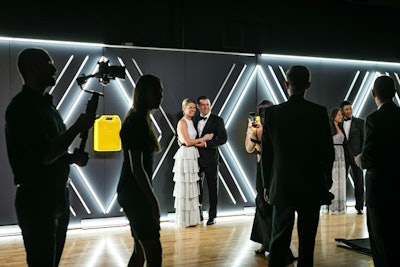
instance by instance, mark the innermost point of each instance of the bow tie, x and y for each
(347, 119)
(203, 118)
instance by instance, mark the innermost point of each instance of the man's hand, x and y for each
(266, 197)
(79, 157)
(357, 160)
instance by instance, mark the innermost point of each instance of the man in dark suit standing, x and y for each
(354, 131)
(205, 123)
(381, 157)
(297, 162)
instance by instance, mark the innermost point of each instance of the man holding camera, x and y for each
(37, 145)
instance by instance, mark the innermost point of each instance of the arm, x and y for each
(142, 179)
(220, 136)
(253, 134)
(183, 131)
(266, 157)
(59, 145)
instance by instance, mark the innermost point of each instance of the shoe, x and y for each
(359, 211)
(211, 221)
(260, 252)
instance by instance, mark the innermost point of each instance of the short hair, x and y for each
(298, 77)
(384, 87)
(344, 103)
(203, 97)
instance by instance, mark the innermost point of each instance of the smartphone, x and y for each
(252, 116)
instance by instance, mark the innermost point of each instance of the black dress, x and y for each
(135, 136)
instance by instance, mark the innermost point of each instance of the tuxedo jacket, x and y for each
(381, 156)
(355, 140)
(215, 125)
(297, 153)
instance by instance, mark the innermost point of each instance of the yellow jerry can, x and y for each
(106, 133)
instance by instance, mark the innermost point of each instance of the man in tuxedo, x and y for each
(205, 123)
(380, 157)
(354, 131)
(297, 161)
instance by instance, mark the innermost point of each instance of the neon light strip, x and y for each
(69, 88)
(227, 188)
(397, 95)
(268, 85)
(72, 211)
(357, 100)
(242, 94)
(352, 85)
(90, 189)
(50, 42)
(80, 197)
(114, 199)
(232, 90)
(223, 84)
(137, 67)
(241, 171)
(61, 74)
(325, 59)
(366, 92)
(233, 177)
(166, 118)
(276, 81)
(163, 158)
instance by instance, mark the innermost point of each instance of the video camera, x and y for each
(105, 74)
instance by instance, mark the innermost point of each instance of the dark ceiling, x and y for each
(360, 29)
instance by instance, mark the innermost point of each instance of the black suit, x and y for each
(381, 158)
(209, 159)
(353, 147)
(297, 160)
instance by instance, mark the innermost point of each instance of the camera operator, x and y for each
(37, 145)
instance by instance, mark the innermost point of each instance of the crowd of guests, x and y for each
(302, 166)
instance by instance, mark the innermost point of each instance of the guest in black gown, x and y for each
(262, 224)
(135, 189)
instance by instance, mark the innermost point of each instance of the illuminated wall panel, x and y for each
(235, 83)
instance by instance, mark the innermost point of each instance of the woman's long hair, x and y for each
(334, 111)
(140, 103)
(262, 106)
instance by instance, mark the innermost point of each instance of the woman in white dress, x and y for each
(186, 168)
(338, 205)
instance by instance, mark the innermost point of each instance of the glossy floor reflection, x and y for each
(224, 244)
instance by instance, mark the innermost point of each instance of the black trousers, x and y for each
(358, 180)
(210, 174)
(282, 227)
(43, 225)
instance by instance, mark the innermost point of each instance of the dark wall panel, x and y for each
(235, 83)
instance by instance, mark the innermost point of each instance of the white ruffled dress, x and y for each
(186, 177)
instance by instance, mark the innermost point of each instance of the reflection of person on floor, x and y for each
(135, 190)
(297, 158)
(186, 169)
(262, 224)
(381, 157)
(338, 188)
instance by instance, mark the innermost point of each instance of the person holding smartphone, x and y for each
(262, 224)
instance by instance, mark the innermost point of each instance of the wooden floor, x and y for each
(224, 244)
